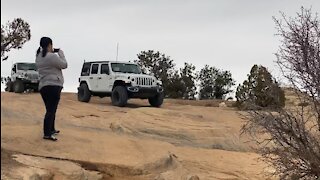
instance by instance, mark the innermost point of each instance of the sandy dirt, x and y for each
(100, 141)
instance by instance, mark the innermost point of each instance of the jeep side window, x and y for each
(94, 68)
(85, 69)
(104, 69)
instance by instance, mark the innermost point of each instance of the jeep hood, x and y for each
(126, 75)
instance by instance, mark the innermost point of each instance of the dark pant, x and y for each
(51, 98)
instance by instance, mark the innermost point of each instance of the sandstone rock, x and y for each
(223, 104)
(116, 127)
(193, 177)
(159, 177)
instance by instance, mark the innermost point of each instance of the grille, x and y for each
(144, 81)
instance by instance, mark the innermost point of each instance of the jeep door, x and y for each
(94, 77)
(105, 82)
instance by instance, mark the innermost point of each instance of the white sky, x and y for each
(228, 34)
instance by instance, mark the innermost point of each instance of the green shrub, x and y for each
(260, 91)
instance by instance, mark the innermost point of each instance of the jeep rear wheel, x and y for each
(84, 94)
(18, 86)
(157, 100)
(119, 96)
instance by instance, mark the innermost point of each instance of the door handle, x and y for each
(91, 77)
(99, 77)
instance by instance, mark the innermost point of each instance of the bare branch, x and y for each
(289, 138)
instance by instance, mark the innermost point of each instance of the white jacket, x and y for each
(50, 69)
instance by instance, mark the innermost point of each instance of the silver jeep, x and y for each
(24, 76)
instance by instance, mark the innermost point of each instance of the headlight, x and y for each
(159, 83)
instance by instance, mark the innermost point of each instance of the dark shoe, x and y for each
(52, 138)
(55, 132)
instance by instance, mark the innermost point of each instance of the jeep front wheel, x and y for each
(84, 94)
(9, 87)
(18, 86)
(157, 100)
(119, 96)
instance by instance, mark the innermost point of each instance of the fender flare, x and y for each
(88, 84)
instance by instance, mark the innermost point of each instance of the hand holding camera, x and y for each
(55, 50)
(59, 51)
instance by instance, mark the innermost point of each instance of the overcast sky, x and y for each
(228, 34)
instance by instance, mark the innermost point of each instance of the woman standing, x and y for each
(50, 67)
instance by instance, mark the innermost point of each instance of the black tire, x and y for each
(84, 95)
(18, 86)
(9, 87)
(119, 96)
(157, 100)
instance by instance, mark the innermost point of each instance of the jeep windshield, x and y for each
(125, 68)
(27, 66)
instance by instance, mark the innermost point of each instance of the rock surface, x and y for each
(100, 141)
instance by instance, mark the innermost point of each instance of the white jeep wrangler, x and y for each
(120, 81)
(24, 76)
